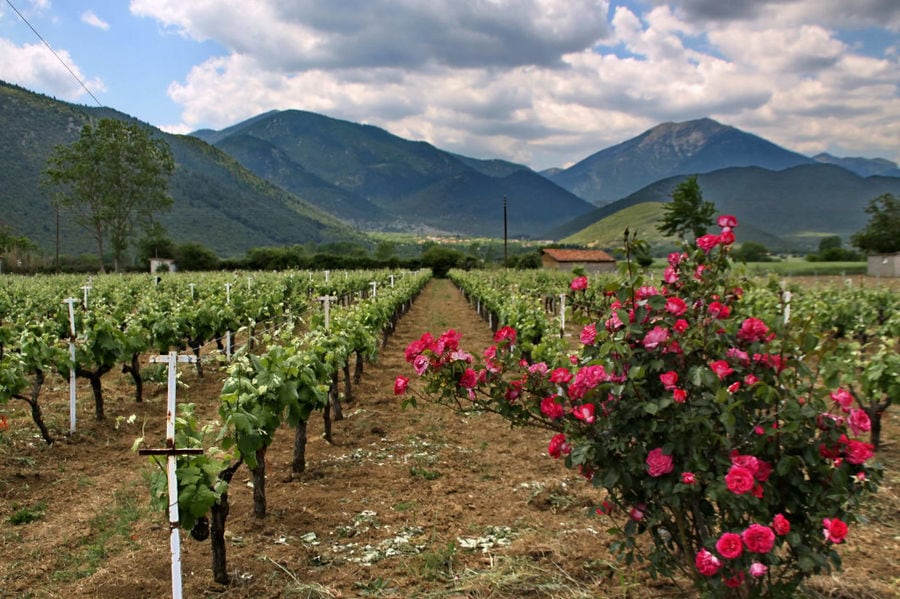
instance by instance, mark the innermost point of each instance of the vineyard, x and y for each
(329, 487)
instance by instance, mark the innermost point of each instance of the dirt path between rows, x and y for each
(405, 503)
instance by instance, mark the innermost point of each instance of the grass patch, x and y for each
(109, 530)
(28, 514)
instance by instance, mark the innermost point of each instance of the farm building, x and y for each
(884, 265)
(590, 260)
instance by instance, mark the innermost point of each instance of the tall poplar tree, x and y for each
(687, 212)
(112, 177)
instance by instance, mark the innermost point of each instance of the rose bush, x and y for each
(722, 456)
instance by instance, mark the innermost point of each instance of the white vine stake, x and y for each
(228, 333)
(326, 301)
(562, 314)
(71, 302)
(86, 289)
(171, 454)
(787, 306)
(374, 285)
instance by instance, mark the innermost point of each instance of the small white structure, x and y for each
(884, 265)
(162, 265)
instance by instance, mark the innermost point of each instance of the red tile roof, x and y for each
(579, 255)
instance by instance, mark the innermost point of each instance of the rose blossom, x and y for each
(729, 545)
(707, 242)
(420, 364)
(681, 325)
(551, 409)
(859, 421)
(668, 379)
(505, 333)
(400, 385)
(721, 368)
(781, 524)
(688, 478)
(659, 463)
(758, 538)
(843, 398)
(655, 337)
(739, 480)
(468, 379)
(857, 452)
(584, 412)
(734, 582)
(588, 334)
(579, 284)
(676, 306)
(679, 395)
(726, 238)
(707, 563)
(670, 275)
(560, 375)
(726, 220)
(558, 445)
(637, 512)
(834, 529)
(758, 570)
(719, 310)
(753, 329)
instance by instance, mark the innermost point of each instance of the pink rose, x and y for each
(676, 306)
(726, 238)
(719, 310)
(688, 478)
(753, 329)
(588, 334)
(707, 242)
(758, 538)
(843, 398)
(781, 524)
(679, 395)
(729, 545)
(637, 512)
(584, 412)
(668, 379)
(659, 463)
(758, 570)
(558, 446)
(859, 421)
(834, 529)
(560, 375)
(506, 333)
(655, 337)
(707, 563)
(735, 581)
(579, 284)
(551, 408)
(721, 368)
(726, 220)
(469, 379)
(739, 480)
(857, 452)
(681, 325)
(400, 385)
(670, 275)
(420, 364)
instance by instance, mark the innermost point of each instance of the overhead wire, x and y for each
(58, 57)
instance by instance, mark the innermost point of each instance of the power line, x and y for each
(61, 61)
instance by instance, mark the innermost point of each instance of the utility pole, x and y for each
(505, 251)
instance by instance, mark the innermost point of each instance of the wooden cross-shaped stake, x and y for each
(562, 314)
(71, 301)
(171, 452)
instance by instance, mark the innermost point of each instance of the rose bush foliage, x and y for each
(722, 456)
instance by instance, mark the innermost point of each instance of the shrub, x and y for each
(722, 457)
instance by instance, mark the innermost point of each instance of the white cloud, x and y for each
(33, 66)
(93, 20)
(543, 82)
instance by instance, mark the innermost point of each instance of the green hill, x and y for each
(217, 201)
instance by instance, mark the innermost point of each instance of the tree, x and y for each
(687, 212)
(113, 175)
(882, 234)
(751, 251)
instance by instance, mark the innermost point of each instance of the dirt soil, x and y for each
(405, 503)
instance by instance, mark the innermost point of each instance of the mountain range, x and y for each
(295, 177)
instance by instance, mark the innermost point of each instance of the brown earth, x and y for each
(405, 503)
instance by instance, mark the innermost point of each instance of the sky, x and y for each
(544, 83)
